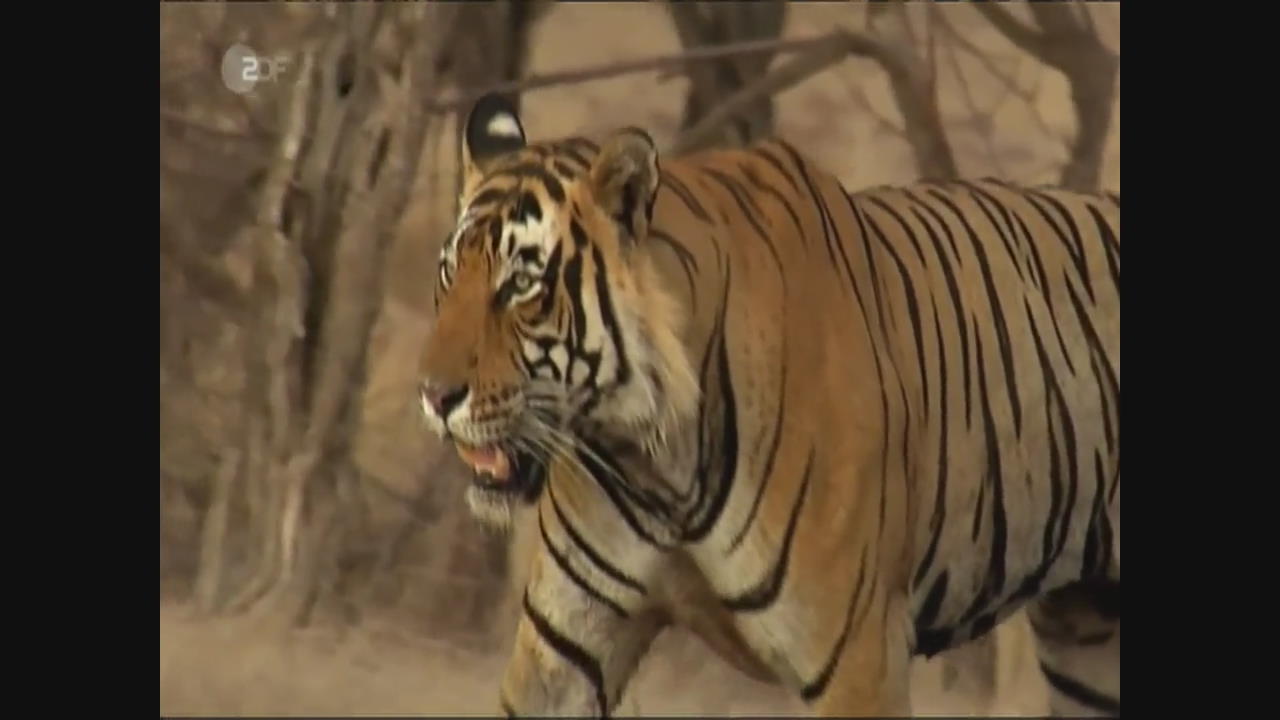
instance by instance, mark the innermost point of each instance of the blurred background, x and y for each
(315, 552)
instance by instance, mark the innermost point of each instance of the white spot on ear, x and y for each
(503, 125)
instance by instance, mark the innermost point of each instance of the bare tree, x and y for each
(911, 79)
(346, 144)
(1067, 40)
(706, 24)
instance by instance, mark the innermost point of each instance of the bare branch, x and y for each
(1066, 44)
(1056, 20)
(884, 124)
(1089, 22)
(978, 115)
(795, 71)
(1024, 37)
(181, 119)
(909, 84)
(659, 62)
(985, 60)
(213, 536)
(281, 171)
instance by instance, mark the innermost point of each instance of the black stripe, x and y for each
(1106, 406)
(828, 223)
(773, 452)
(645, 499)
(604, 299)
(751, 211)
(765, 593)
(573, 292)
(1108, 540)
(875, 355)
(993, 584)
(1081, 257)
(1033, 244)
(865, 236)
(490, 195)
(1109, 244)
(550, 277)
(569, 650)
(604, 477)
(1095, 344)
(816, 687)
(1047, 292)
(913, 308)
(702, 465)
(1080, 692)
(979, 195)
(688, 198)
(911, 235)
(1092, 562)
(571, 153)
(605, 566)
(928, 206)
(978, 516)
(763, 152)
(688, 263)
(940, 490)
(495, 235)
(1073, 478)
(539, 173)
(729, 443)
(573, 575)
(579, 235)
(1076, 259)
(786, 204)
(563, 170)
(932, 603)
(993, 297)
(1031, 585)
(956, 305)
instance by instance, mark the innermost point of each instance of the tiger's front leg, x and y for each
(578, 642)
(870, 677)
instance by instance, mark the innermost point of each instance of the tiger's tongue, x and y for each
(488, 459)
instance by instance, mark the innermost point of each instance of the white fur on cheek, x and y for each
(491, 510)
(433, 421)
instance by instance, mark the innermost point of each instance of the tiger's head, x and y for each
(552, 324)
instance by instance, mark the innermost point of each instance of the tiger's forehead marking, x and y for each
(507, 231)
(497, 219)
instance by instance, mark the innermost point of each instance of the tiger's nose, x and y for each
(443, 398)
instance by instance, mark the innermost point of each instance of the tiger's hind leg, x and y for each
(1077, 631)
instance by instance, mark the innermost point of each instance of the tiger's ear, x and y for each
(624, 180)
(493, 129)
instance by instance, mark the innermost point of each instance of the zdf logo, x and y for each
(242, 68)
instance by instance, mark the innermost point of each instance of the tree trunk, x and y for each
(1067, 41)
(712, 82)
(350, 133)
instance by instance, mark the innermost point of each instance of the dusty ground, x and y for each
(236, 668)
(239, 668)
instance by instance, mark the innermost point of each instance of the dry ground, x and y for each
(234, 668)
(240, 668)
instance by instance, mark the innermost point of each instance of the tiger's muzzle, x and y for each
(481, 427)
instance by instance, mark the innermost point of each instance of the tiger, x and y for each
(827, 431)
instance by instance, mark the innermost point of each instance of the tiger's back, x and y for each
(947, 353)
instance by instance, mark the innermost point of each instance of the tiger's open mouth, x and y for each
(502, 471)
